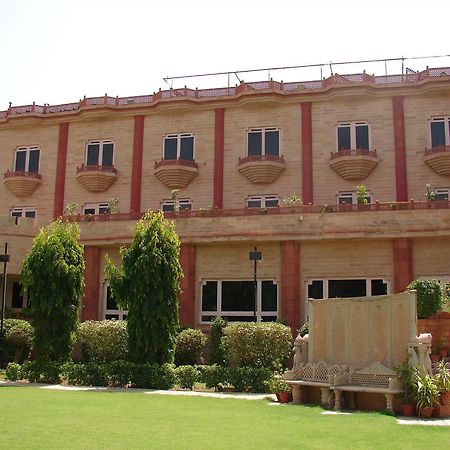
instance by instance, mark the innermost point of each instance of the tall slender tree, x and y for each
(147, 284)
(53, 276)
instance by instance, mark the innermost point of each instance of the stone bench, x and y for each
(375, 379)
(319, 375)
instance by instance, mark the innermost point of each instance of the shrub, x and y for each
(119, 374)
(429, 297)
(263, 345)
(89, 374)
(216, 351)
(213, 376)
(248, 378)
(304, 329)
(189, 347)
(13, 372)
(103, 340)
(187, 376)
(17, 341)
(153, 376)
(42, 372)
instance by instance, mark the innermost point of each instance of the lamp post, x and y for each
(4, 259)
(255, 256)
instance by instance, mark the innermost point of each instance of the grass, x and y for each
(37, 418)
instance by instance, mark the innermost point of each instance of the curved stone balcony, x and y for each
(22, 184)
(261, 169)
(176, 173)
(96, 178)
(438, 158)
(354, 164)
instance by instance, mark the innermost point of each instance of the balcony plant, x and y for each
(442, 380)
(405, 374)
(426, 394)
(361, 194)
(276, 385)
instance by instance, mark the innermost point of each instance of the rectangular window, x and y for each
(96, 208)
(262, 201)
(24, 212)
(183, 205)
(235, 300)
(350, 198)
(112, 310)
(179, 146)
(100, 153)
(353, 136)
(17, 296)
(441, 194)
(27, 159)
(263, 141)
(439, 129)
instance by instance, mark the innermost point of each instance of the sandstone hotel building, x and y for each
(235, 154)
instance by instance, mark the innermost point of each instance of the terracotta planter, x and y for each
(284, 397)
(408, 409)
(445, 398)
(426, 412)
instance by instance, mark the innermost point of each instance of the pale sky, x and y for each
(56, 51)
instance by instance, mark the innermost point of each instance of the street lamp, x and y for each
(4, 259)
(255, 256)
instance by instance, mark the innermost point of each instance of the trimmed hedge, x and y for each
(216, 351)
(17, 342)
(103, 341)
(430, 297)
(261, 345)
(187, 376)
(189, 347)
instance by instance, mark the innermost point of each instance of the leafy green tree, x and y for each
(53, 275)
(147, 284)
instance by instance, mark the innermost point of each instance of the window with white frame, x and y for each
(24, 212)
(100, 153)
(96, 208)
(234, 300)
(351, 198)
(262, 201)
(183, 204)
(179, 146)
(112, 310)
(26, 159)
(263, 141)
(353, 135)
(441, 194)
(19, 299)
(439, 131)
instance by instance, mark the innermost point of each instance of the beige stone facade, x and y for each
(307, 250)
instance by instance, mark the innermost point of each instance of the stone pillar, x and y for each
(219, 140)
(188, 285)
(60, 180)
(136, 166)
(401, 181)
(92, 283)
(290, 283)
(307, 156)
(403, 263)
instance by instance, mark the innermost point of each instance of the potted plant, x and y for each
(426, 394)
(405, 374)
(442, 379)
(278, 386)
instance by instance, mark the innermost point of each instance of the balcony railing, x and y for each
(180, 162)
(258, 158)
(354, 152)
(21, 173)
(96, 168)
(334, 81)
(280, 210)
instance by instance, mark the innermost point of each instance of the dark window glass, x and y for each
(185, 206)
(209, 296)
(272, 143)
(346, 288)
(238, 296)
(31, 214)
(20, 161)
(268, 318)
(89, 210)
(437, 134)
(112, 316)
(124, 317)
(269, 296)
(170, 148)
(254, 203)
(187, 148)
(254, 143)
(239, 318)
(270, 203)
(362, 137)
(208, 318)
(103, 210)
(110, 302)
(108, 150)
(17, 297)
(378, 287)
(92, 155)
(33, 164)
(167, 208)
(344, 138)
(441, 196)
(16, 213)
(345, 200)
(315, 289)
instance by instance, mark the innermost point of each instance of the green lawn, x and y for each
(36, 418)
